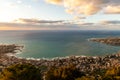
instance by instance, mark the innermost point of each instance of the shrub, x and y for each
(21, 72)
(85, 78)
(63, 73)
(112, 74)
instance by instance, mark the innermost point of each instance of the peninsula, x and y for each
(13, 48)
(114, 41)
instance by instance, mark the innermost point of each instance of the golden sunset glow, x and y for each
(42, 14)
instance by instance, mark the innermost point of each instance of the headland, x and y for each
(114, 41)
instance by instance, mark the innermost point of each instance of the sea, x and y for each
(52, 44)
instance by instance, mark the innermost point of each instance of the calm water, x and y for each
(49, 44)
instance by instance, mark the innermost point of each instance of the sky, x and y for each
(59, 14)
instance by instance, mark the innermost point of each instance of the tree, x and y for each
(21, 72)
(112, 74)
(86, 78)
(69, 72)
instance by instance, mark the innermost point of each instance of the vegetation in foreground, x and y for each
(21, 72)
(70, 72)
(64, 73)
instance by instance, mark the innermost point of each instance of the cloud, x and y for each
(88, 7)
(36, 24)
(110, 22)
(27, 26)
(89, 24)
(68, 26)
(19, 1)
(79, 17)
(37, 21)
(57, 2)
(112, 10)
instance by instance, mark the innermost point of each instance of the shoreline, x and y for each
(10, 48)
(18, 50)
(85, 64)
(113, 41)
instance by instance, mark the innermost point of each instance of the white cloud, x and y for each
(37, 21)
(88, 7)
(57, 2)
(114, 22)
(19, 1)
(36, 24)
(112, 9)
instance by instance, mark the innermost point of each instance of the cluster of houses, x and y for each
(83, 63)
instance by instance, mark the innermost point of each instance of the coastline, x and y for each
(113, 41)
(83, 63)
(10, 48)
